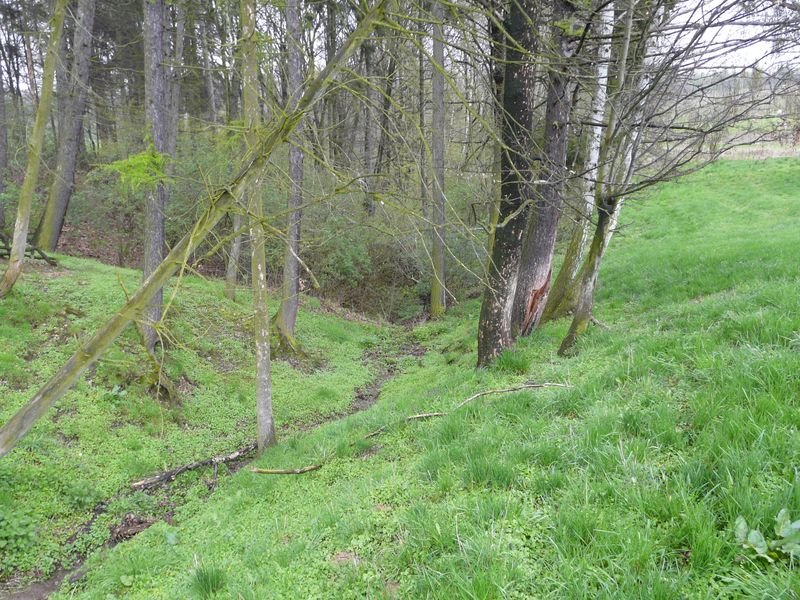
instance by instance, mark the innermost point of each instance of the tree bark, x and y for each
(368, 49)
(3, 152)
(252, 115)
(536, 261)
(157, 122)
(88, 353)
(438, 289)
(232, 267)
(494, 327)
(564, 293)
(73, 103)
(20, 238)
(287, 313)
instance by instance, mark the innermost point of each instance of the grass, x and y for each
(111, 430)
(682, 416)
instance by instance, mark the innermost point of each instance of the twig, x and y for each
(524, 386)
(286, 471)
(173, 473)
(378, 431)
(597, 323)
(425, 416)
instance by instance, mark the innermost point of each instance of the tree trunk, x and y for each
(73, 103)
(208, 72)
(287, 313)
(368, 50)
(588, 278)
(536, 261)
(220, 203)
(232, 267)
(563, 295)
(438, 289)
(20, 238)
(252, 117)
(494, 327)
(157, 122)
(3, 152)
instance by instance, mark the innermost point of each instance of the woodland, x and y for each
(446, 299)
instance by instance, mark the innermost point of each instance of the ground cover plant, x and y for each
(66, 489)
(680, 423)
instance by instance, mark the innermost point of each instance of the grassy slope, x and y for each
(110, 431)
(683, 415)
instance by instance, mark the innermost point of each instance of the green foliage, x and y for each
(786, 543)
(17, 531)
(682, 417)
(207, 580)
(142, 170)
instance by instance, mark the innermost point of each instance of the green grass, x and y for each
(682, 416)
(110, 430)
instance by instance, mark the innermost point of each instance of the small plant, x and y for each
(785, 544)
(511, 361)
(207, 580)
(17, 531)
(81, 494)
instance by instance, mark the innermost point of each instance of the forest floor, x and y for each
(681, 415)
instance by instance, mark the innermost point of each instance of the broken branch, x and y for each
(299, 471)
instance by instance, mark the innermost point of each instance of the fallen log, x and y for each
(170, 475)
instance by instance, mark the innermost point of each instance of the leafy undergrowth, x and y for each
(682, 417)
(111, 430)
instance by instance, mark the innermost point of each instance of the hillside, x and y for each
(680, 416)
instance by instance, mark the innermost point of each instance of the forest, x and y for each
(371, 299)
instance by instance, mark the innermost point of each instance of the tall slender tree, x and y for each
(290, 291)
(3, 152)
(72, 105)
(438, 289)
(533, 280)
(22, 223)
(157, 123)
(252, 117)
(494, 327)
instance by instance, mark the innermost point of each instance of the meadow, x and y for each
(680, 416)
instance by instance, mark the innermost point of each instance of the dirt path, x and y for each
(384, 359)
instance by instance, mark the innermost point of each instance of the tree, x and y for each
(219, 204)
(265, 425)
(156, 99)
(3, 152)
(494, 327)
(438, 289)
(562, 298)
(72, 104)
(536, 259)
(20, 238)
(290, 291)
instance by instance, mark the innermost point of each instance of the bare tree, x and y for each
(494, 328)
(72, 105)
(20, 238)
(438, 289)
(287, 313)
(219, 204)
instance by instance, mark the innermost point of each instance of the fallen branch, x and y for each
(173, 473)
(425, 416)
(524, 386)
(299, 471)
(378, 431)
(597, 323)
